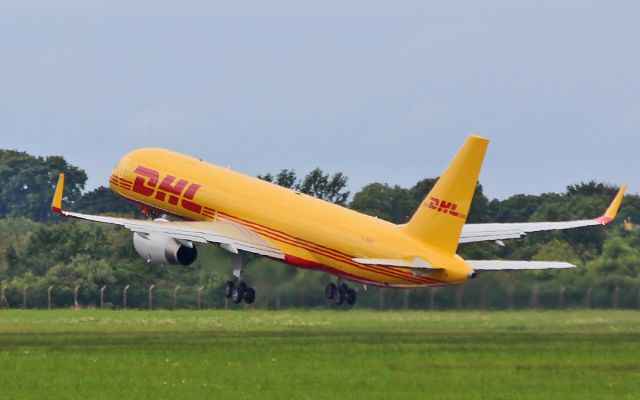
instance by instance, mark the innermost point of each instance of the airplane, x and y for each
(249, 217)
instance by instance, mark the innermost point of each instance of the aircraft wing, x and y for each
(497, 231)
(231, 236)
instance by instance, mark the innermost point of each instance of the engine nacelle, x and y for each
(161, 249)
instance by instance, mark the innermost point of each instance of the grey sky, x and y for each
(379, 91)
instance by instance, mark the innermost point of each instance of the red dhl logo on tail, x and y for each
(445, 207)
(169, 190)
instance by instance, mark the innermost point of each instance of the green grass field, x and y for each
(328, 354)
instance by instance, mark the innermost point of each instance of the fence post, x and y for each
(49, 297)
(175, 297)
(124, 297)
(561, 297)
(3, 298)
(614, 297)
(102, 296)
(432, 298)
(151, 296)
(587, 300)
(405, 299)
(200, 289)
(510, 290)
(278, 300)
(459, 297)
(75, 296)
(24, 296)
(381, 299)
(533, 301)
(483, 297)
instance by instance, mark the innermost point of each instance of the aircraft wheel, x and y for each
(330, 291)
(237, 294)
(228, 288)
(340, 296)
(351, 296)
(249, 295)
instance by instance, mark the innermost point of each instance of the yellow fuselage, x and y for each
(312, 233)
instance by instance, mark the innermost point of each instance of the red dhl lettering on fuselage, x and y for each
(444, 206)
(169, 190)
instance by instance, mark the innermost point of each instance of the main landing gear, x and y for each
(239, 290)
(341, 293)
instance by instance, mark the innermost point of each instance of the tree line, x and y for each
(40, 251)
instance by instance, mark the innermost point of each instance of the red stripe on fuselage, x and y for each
(327, 252)
(314, 248)
(302, 263)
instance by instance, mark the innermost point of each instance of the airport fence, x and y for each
(464, 297)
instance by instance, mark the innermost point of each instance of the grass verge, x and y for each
(319, 354)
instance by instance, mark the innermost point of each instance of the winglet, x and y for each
(56, 204)
(611, 212)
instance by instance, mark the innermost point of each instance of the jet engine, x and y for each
(162, 249)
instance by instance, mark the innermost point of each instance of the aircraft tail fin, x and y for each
(441, 216)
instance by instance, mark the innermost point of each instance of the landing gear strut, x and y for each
(341, 293)
(239, 290)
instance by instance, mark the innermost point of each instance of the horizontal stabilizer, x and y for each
(416, 263)
(500, 265)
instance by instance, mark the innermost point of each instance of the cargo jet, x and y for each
(249, 217)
